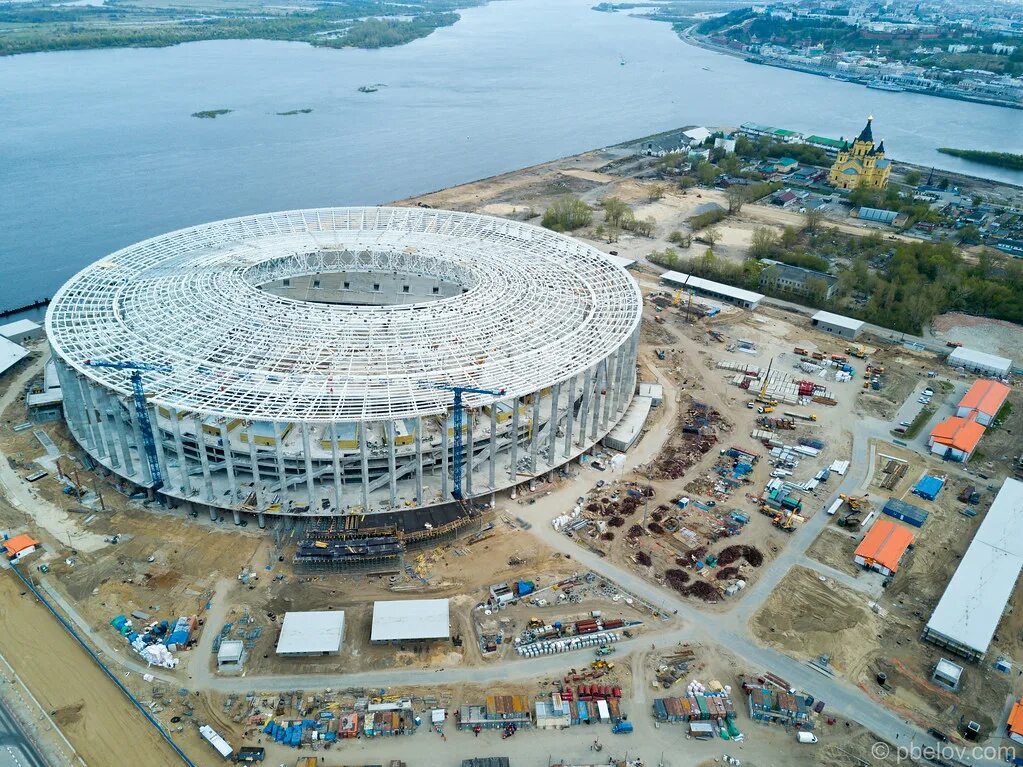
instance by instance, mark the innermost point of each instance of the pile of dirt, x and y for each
(807, 618)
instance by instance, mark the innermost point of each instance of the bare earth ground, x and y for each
(986, 335)
(94, 715)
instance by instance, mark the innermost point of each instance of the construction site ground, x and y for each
(894, 646)
(166, 563)
(93, 714)
(685, 465)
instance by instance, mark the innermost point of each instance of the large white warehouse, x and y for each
(306, 358)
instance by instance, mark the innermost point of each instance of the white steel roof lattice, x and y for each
(538, 308)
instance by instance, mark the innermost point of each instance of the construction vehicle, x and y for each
(767, 409)
(661, 354)
(784, 521)
(859, 352)
(141, 410)
(456, 412)
(801, 416)
(762, 394)
(852, 519)
(856, 502)
(605, 650)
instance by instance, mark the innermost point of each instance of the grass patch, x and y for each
(1002, 415)
(211, 114)
(919, 422)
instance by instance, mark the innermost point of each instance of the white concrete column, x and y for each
(204, 460)
(257, 481)
(92, 417)
(179, 448)
(309, 482)
(282, 473)
(122, 436)
(445, 466)
(493, 446)
(335, 463)
(232, 482)
(513, 472)
(534, 433)
(552, 427)
(419, 461)
(570, 417)
(140, 448)
(609, 366)
(392, 470)
(600, 382)
(364, 453)
(585, 410)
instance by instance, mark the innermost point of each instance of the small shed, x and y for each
(230, 655)
(654, 391)
(929, 487)
(905, 512)
(947, 674)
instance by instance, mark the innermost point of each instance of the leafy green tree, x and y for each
(763, 244)
(567, 214)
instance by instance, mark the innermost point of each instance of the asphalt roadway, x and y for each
(15, 749)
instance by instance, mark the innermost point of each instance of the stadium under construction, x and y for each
(307, 363)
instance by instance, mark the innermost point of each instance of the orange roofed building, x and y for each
(19, 546)
(1014, 726)
(882, 548)
(984, 399)
(956, 438)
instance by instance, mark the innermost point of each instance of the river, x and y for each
(98, 148)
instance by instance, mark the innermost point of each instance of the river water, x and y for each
(98, 148)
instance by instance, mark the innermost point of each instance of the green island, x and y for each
(290, 112)
(211, 114)
(999, 159)
(39, 25)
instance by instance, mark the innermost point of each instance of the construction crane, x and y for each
(145, 426)
(456, 412)
(762, 396)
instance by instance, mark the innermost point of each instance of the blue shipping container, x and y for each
(905, 512)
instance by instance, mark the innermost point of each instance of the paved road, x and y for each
(15, 749)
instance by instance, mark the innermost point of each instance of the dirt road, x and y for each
(95, 716)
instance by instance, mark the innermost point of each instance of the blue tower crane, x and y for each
(145, 426)
(456, 412)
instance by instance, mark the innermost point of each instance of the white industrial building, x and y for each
(307, 359)
(10, 354)
(980, 363)
(20, 331)
(628, 430)
(837, 325)
(410, 619)
(747, 299)
(969, 611)
(312, 633)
